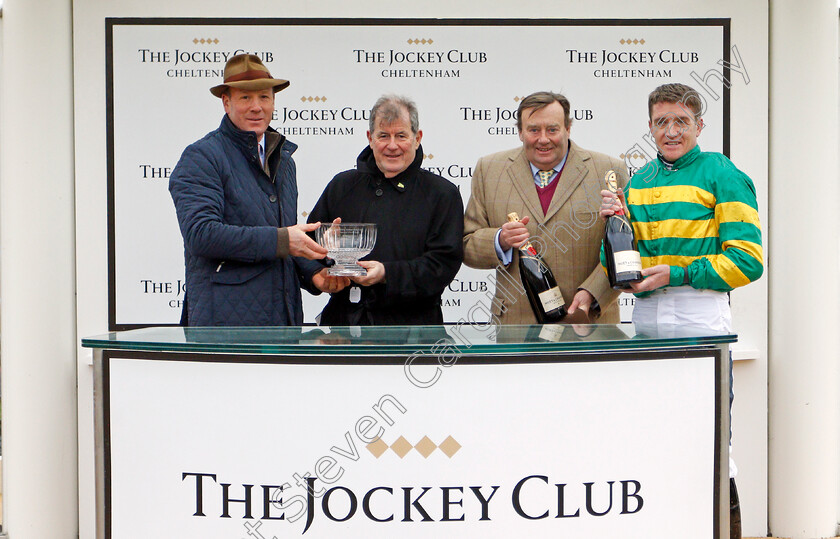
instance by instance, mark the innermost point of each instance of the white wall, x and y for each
(37, 277)
(804, 367)
(749, 135)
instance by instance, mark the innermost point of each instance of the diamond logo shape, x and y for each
(377, 447)
(425, 447)
(450, 446)
(401, 447)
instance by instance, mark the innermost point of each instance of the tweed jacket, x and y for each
(568, 235)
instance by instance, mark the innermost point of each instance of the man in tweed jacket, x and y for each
(554, 185)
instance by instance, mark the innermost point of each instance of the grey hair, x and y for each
(390, 108)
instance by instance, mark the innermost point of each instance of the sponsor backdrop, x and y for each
(467, 77)
(391, 459)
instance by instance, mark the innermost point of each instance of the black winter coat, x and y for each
(419, 241)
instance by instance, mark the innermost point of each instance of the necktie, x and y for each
(545, 177)
(262, 154)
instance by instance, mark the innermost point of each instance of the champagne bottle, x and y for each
(540, 287)
(624, 264)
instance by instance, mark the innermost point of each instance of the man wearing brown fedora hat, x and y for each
(235, 195)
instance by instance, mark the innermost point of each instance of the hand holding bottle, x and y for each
(540, 286)
(514, 234)
(611, 203)
(623, 262)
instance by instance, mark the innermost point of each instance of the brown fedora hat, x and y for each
(247, 72)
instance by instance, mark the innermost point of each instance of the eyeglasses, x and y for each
(672, 122)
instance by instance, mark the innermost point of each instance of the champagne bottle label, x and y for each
(551, 299)
(552, 332)
(627, 261)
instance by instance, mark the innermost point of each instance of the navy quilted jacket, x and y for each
(229, 210)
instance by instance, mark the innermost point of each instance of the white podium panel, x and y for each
(597, 445)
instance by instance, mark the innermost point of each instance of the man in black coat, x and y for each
(420, 222)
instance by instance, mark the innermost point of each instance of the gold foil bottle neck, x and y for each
(612, 181)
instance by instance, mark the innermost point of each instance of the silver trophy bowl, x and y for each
(346, 243)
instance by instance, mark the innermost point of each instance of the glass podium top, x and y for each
(465, 339)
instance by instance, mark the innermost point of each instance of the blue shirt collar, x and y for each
(535, 172)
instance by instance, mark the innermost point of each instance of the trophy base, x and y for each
(347, 270)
